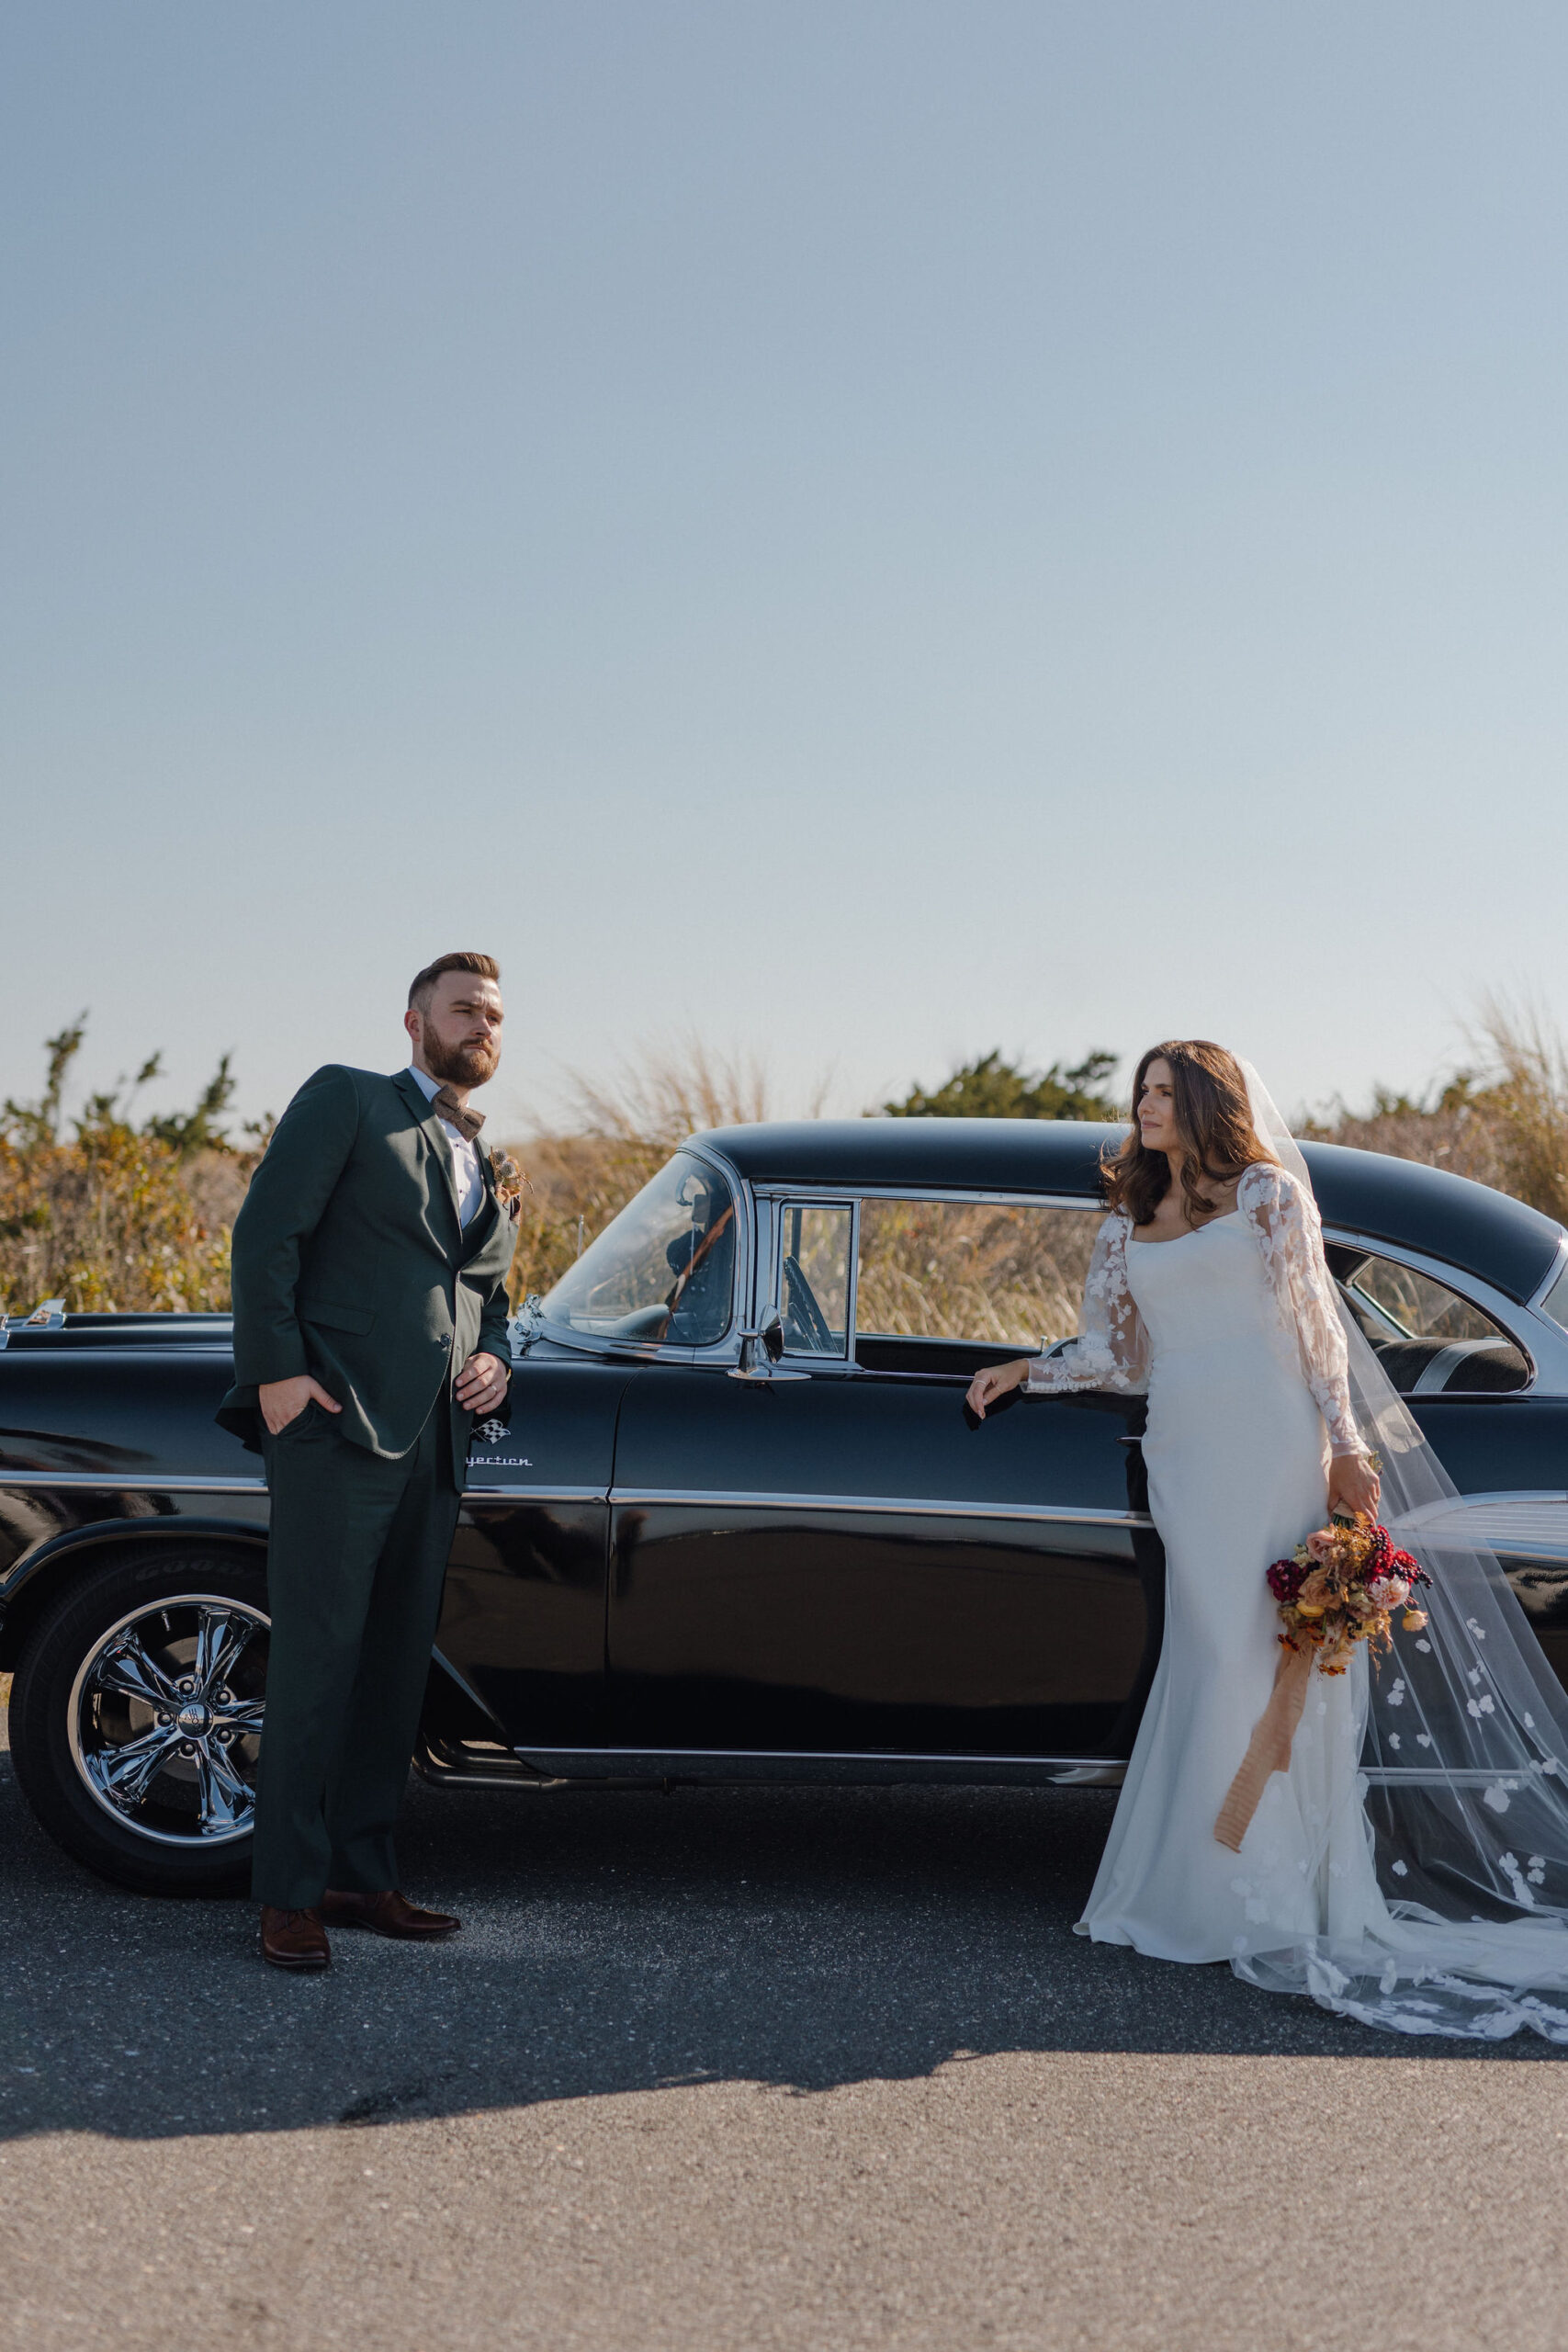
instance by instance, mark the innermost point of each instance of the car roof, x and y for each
(1368, 1193)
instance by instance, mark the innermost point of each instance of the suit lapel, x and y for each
(442, 1181)
(480, 1225)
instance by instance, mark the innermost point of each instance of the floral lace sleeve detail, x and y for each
(1111, 1348)
(1284, 1218)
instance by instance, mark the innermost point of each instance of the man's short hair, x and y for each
(423, 986)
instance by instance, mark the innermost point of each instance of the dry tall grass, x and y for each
(627, 1125)
(121, 1218)
(1504, 1122)
(136, 1218)
(116, 1222)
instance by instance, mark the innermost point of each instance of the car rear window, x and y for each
(1429, 1341)
(1005, 1274)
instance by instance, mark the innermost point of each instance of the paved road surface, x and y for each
(730, 2070)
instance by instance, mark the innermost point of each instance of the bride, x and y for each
(1409, 1866)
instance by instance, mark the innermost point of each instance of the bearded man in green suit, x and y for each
(369, 1271)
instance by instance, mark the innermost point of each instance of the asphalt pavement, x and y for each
(731, 2069)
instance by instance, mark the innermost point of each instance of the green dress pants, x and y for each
(355, 1564)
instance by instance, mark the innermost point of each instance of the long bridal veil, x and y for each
(1443, 1830)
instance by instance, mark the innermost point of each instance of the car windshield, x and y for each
(663, 1270)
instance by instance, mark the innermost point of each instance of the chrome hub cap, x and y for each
(166, 1718)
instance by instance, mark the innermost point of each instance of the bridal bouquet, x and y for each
(1343, 1586)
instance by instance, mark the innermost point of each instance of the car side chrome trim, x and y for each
(724, 1498)
(567, 1764)
(900, 1505)
(183, 1483)
(536, 1494)
(145, 1482)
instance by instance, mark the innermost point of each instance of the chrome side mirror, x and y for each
(768, 1338)
(523, 1328)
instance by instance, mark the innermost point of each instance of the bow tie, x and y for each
(447, 1106)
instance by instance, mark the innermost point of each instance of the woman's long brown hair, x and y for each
(1213, 1120)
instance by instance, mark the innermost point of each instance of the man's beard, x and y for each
(466, 1065)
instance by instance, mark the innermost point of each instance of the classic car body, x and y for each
(738, 1522)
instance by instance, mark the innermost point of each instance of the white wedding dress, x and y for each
(1235, 1332)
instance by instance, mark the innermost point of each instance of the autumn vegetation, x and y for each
(114, 1211)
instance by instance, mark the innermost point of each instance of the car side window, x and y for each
(1429, 1341)
(945, 1285)
(814, 1277)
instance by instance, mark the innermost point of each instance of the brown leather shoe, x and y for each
(293, 1938)
(387, 1913)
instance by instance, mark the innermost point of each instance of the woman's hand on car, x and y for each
(994, 1381)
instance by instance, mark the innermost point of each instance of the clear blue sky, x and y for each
(866, 528)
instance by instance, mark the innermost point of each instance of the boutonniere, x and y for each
(509, 1181)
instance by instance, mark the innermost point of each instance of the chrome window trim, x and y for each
(1087, 1203)
(1543, 1289)
(777, 1197)
(819, 1198)
(892, 1505)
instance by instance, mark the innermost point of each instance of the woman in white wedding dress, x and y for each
(1378, 1873)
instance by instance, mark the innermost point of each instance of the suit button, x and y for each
(445, 1340)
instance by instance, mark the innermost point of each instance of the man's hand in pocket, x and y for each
(283, 1401)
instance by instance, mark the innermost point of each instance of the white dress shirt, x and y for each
(466, 1179)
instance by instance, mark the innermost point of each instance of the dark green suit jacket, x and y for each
(349, 1264)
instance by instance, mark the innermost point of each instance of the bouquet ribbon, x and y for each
(1268, 1750)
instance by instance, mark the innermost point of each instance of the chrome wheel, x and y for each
(165, 1717)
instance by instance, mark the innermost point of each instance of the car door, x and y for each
(522, 1616)
(842, 1560)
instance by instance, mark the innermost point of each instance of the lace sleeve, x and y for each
(1112, 1349)
(1284, 1218)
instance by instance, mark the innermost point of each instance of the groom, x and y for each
(369, 1269)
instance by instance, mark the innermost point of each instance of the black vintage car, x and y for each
(740, 1523)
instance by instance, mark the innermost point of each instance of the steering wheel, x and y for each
(803, 1313)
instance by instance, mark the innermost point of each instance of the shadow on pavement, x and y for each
(614, 1942)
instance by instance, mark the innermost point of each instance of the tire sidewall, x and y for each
(71, 1627)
